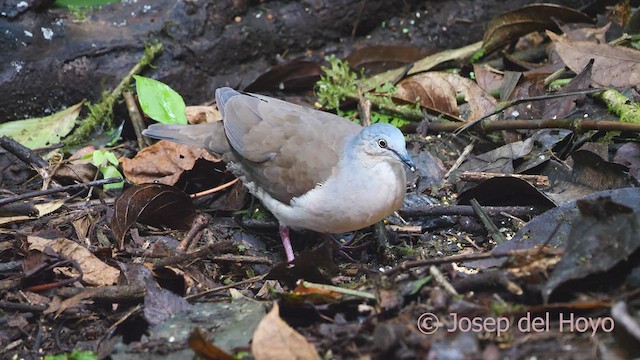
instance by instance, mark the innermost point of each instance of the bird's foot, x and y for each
(286, 242)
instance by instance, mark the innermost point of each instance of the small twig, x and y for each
(487, 222)
(514, 102)
(197, 254)
(488, 279)
(461, 158)
(214, 190)
(339, 290)
(29, 157)
(241, 259)
(225, 287)
(440, 279)
(473, 243)
(576, 125)
(411, 229)
(475, 176)
(22, 152)
(21, 307)
(518, 222)
(621, 315)
(197, 226)
(467, 210)
(358, 19)
(364, 108)
(33, 194)
(136, 119)
(58, 284)
(105, 293)
(466, 257)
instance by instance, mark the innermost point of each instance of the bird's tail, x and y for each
(206, 135)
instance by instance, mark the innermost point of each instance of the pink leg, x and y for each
(286, 242)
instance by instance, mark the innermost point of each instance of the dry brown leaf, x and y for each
(204, 349)
(95, 272)
(77, 168)
(164, 162)
(488, 78)
(275, 339)
(200, 114)
(613, 65)
(438, 91)
(153, 204)
(511, 25)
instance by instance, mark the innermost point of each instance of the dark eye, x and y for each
(382, 143)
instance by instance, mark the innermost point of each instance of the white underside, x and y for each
(349, 206)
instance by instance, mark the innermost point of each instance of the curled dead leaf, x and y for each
(438, 91)
(153, 204)
(164, 162)
(511, 25)
(95, 272)
(274, 339)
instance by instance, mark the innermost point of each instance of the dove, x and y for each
(312, 169)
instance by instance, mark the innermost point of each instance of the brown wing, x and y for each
(287, 149)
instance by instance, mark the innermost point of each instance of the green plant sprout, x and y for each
(339, 83)
(107, 163)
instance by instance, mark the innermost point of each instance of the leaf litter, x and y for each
(571, 246)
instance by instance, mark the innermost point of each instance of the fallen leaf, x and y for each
(201, 114)
(439, 91)
(163, 162)
(275, 339)
(161, 304)
(613, 65)
(591, 170)
(509, 26)
(603, 236)
(422, 65)
(552, 228)
(95, 272)
(488, 79)
(42, 132)
(204, 349)
(506, 191)
(153, 204)
(629, 156)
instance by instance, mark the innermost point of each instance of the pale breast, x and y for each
(348, 203)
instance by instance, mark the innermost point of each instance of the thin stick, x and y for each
(488, 223)
(33, 194)
(214, 190)
(466, 257)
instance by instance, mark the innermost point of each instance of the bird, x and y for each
(311, 169)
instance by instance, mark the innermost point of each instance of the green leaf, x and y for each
(98, 157)
(160, 102)
(109, 172)
(42, 132)
(111, 157)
